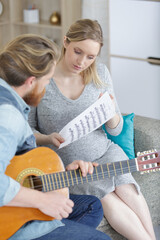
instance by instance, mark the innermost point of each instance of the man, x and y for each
(26, 66)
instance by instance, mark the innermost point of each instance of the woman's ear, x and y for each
(65, 42)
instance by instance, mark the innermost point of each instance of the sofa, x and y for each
(146, 137)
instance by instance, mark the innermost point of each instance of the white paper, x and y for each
(89, 120)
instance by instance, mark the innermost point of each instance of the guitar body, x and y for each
(36, 162)
(42, 169)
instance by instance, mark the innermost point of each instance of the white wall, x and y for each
(131, 35)
(135, 36)
(97, 10)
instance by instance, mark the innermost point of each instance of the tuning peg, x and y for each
(138, 154)
(146, 152)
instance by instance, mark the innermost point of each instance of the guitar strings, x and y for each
(73, 181)
(93, 174)
(111, 172)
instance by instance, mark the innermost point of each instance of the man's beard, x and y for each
(34, 97)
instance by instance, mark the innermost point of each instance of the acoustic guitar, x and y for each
(42, 169)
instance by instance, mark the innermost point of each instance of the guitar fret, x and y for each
(81, 176)
(71, 178)
(132, 164)
(75, 173)
(50, 184)
(60, 180)
(114, 169)
(67, 179)
(108, 170)
(86, 179)
(118, 168)
(121, 167)
(125, 167)
(128, 166)
(111, 170)
(95, 177)
(102, 171)
(91, 177)
(46, 182)
(63, 179)
(56, 181)
(96, 173)
(53, 182)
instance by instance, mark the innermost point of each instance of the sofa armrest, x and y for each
(147, 137)
(146, 133)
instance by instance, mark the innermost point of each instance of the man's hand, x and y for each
(53, 204)
(56, 205)
(86, 167)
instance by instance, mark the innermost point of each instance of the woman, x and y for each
(78, 82)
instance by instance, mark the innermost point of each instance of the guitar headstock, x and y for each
(148, 161)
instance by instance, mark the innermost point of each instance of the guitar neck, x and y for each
(64, 179)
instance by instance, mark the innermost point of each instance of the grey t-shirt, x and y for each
(56, 110)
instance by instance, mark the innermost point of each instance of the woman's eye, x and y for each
(90, 57)
(77, 52)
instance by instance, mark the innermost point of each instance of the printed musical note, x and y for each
(89, 120)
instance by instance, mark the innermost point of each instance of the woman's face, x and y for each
(80, 55)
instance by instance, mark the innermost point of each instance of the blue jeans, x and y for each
(87, 210)
(87, 214)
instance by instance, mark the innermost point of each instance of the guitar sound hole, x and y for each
(33, 182)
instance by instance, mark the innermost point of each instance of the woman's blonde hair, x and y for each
(27, 55)
(84, 29)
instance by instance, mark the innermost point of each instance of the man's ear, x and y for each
(30, 82)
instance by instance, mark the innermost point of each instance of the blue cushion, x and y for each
(126, 138)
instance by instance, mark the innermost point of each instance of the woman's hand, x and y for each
(55, 139)
(114, 121)
(86, 167)
(112, 98)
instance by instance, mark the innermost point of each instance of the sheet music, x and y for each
(89, 120)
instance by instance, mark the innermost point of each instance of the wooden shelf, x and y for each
(2, 23)
(12, 18)
(41, 24)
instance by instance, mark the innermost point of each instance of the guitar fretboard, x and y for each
(60, 180)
